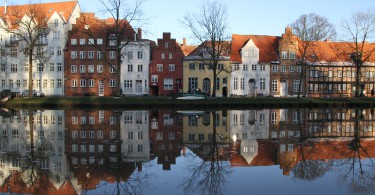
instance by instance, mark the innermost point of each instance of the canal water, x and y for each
(262, 151)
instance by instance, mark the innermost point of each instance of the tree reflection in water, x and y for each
(32, 177)
(209, 175)
(357, 171)
(353, 157)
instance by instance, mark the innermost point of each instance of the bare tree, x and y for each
(358, 30)
(120, 32)
(310, 28)
(209, 27)
(28, 29)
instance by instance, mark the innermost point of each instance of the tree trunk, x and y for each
(30, 72)
(357, 81)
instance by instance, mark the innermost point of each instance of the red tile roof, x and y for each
(267, 47)
(327, 51)
(64, 8)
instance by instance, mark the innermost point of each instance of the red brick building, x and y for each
(91, 67)
(166, 67)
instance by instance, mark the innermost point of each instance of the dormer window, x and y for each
(246, 53)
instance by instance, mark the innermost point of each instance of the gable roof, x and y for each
(267, 47)
(197, 51)
(333, 52)
(64, 9)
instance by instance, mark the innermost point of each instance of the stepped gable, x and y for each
(267, 47)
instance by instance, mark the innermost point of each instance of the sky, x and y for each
(255, 17)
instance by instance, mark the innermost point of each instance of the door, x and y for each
(138, 87)
(252, 88)
(101, 88)
(283, 88)
(206, 86)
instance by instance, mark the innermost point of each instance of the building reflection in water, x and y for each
(77, 151)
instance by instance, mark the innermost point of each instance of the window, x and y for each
(284, 55)
(112, 69)
(73, 41)
(274, 85)
(112, 54)
(283, 68)
(235, 83)
(99, 41)
(112, 83)
(171, 67)
(273, 117)
(129, 54)
(299, 68)
(236, 67)
(246, 53)
(201, 66)
(314, 73)
(58, 51)
(73, 68)
(82, 41)
(51, 51)
(13, 68)
(44, 83)
(83, 82)
(91, 83)
(296, 85)
(99, 55)
(254, 67)
(91, 55)
(262, 84)
(82, 68)
(130, 67)
(339, 74)
(292, 55)
(162, 56)
(159, 67)
(74, 83)
(59, 83)
(217, 84)
(73, 54)
(39, 67)
(90, 41)
(242, 83)
(170, 56)
(221, 66)
(99, 68)
(275, 68)
(140, 68)
(246, 67)
(168, 84)
(91, 69)
(191, 66)
(154, 78)
(51, 67)
(56, 35)
(13, 52)
(193, 83)
(291, 68)
(82, 54)
(128, 85)
(140, 54)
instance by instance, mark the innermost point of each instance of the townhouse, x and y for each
(135, 66)
(198, 73)
(251, 58)
(48, 61)
(166, 67)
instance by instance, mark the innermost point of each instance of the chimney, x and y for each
(140, 33)
(184, 42)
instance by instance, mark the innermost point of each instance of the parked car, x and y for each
(36, 93)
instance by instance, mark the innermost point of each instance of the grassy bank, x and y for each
(165, 102)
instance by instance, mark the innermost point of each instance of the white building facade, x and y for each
(48, 58)
(135, 68)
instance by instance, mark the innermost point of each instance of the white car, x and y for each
(36, 93)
